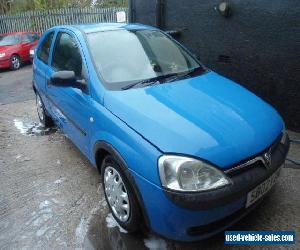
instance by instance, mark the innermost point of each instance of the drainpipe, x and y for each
(131, 11)
(160, 14)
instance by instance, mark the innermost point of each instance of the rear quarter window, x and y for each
(44, 50)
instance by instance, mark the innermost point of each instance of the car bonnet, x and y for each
(208, 116)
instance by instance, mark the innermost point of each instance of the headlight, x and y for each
(2, 55)
(188, 174)
(31, 52)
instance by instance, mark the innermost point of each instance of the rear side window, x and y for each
(29, 38)
(36, 36)
(66, 54)
(43, 52)
(26, 38)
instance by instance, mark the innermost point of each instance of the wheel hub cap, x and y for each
(15, 62)
(40, 109)
(116, 194)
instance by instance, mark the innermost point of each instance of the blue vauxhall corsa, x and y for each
(181, 149)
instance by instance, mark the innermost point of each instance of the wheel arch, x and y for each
(16, 54)
(101, 150)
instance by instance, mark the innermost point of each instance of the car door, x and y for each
(72, 104)
(40, 65)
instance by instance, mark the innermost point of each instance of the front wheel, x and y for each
(15, 62)
(119, 195)
(44, 118)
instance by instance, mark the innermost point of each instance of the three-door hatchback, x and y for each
(180, 149)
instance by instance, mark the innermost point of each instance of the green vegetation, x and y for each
(16, 6)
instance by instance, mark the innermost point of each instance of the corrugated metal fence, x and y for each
(40, 21)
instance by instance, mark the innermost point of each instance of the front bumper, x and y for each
(195, 216)
(244, 179)
(4, 63)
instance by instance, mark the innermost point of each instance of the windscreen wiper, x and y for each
(166, 78)
(187, 74)
(150, 81)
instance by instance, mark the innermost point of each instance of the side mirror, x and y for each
(67, 79)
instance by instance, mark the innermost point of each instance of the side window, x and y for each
(26, 38)
(36, 37)
(44, 50)
(66, 55)
(30, 38)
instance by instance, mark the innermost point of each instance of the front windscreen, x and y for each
(9, 40)
(122, 57)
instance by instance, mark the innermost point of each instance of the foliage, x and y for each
(111, 3)
(4, 6)
(16, 6)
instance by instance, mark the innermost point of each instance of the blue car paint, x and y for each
(171, 220)
(212, 117)
(209, 117)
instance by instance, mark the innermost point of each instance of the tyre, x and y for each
(44, 118)
(15, 62)
(120, 196)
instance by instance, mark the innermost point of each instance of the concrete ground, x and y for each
(51, 197)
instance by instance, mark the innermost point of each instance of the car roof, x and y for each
(98, 27)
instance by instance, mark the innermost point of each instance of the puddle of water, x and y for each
(44, 204)
(60, 180)
(39, 219)
(103, 232)
(81, 230)
(155, 243)
(111, 223)
(32, 128)
(42, 231)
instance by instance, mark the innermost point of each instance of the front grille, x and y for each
(254, 162)
(236, 170)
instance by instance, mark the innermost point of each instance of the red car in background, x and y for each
(15, 48)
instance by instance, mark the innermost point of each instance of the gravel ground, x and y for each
(51, 197)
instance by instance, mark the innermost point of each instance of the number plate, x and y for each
(261, 189)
